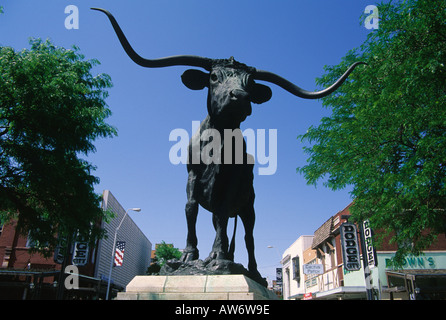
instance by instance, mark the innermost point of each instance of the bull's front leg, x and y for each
(190, 253)
(221, 243)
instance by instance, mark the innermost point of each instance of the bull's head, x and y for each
(231, 89)
(231, 84)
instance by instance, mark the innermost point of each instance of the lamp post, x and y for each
(114, 247)
(279, 282)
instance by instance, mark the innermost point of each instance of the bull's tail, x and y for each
(232, 245)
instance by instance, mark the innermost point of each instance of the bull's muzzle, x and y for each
(239, 95)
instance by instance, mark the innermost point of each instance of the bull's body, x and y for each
(225, 189)
(223, 186)
(215, 185)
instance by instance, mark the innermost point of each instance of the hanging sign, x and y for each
(350, 248)
(279, 276)
(80, 255)
(369, 249)
(59, 252)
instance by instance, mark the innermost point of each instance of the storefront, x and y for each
(45, 285)
(417, 284)
(418, 278)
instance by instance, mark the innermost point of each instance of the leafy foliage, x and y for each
(51, 111)
(386, 136)
(166, 252)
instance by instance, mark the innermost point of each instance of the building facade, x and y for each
(333, 281)
(292, 268)
(137, 247)
(32, 276)
(326, 278)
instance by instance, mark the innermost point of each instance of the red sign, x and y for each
(308, 296)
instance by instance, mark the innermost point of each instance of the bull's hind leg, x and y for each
(190, 253)
(248, 218)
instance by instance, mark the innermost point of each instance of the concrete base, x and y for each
(195, 287)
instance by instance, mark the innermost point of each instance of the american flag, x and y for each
(119, 253)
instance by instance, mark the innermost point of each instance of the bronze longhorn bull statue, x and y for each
(225, 189)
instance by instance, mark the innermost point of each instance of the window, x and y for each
(296, 269)
(6, 257)
(31, 243)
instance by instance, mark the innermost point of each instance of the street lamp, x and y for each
(278, 275)
(114, 247)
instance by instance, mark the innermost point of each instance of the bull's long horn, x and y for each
(292, 88)
(181, 60)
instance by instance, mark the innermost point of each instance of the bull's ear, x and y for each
(260, 93)
(195, 79)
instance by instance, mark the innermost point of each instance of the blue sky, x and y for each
(294, 39)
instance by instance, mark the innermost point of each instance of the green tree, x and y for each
(166, 252)
(163, 253)
(51, 111)
(386, 136)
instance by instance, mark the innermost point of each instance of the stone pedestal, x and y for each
(195, 287)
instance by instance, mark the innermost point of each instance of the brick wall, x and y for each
(439, 244)
(14, 253)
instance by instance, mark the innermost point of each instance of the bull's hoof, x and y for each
(189, 255)
(256, 276)
(217, 255)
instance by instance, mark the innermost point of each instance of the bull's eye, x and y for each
(214, 77)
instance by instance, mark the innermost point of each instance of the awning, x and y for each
(349, 292)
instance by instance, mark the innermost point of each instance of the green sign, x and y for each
(413, 263)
